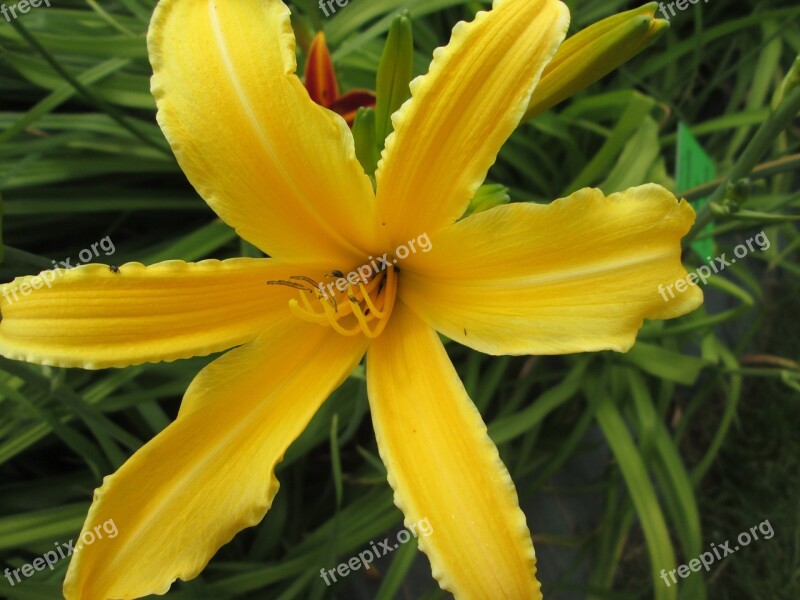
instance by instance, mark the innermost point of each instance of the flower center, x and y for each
(360, 308)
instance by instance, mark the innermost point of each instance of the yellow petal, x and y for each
(92, 317)
(444, 468)
(578, 275)
(274, 165)
(593, 53)
(449, 133)
(211, 472)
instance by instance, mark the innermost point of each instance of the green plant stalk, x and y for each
(762, 171)
(760, 144)
(733, 394)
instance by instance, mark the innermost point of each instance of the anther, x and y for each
(368, 310)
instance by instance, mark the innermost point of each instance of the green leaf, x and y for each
(638, 157)
(694, 167)
(396, 576)
(665, 363)
(507, 428)
(41, 526)
(644, 497)
(639, 106)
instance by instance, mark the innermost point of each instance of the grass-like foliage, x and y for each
(626, 464)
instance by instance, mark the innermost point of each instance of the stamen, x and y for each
(311, 311)
(389, 298)
(366, 311)
(370, 305)
(305, 315)
(308, 280)
(290, 284)
(335, 323)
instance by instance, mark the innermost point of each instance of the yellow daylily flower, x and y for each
(578, 275)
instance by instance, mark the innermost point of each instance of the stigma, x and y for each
(362, 308)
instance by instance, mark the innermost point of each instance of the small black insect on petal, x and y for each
(114, 269)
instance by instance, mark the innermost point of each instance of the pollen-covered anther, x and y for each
(359, 309)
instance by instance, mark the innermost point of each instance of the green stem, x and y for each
(762, 141)
(762, 171)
